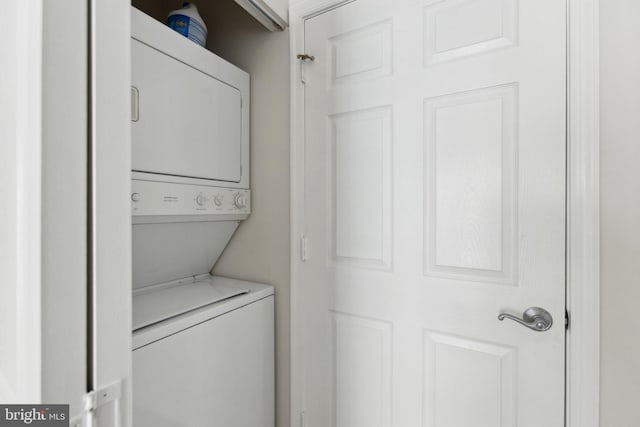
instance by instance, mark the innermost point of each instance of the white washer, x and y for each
(203, 354)
(203, 345)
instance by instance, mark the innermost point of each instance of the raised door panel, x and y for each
(364, 53)
(467, 382)
(362, 371)
(360, 169)
(459, 28)
(470, 185)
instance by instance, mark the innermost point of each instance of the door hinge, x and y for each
(96, 399)
(303, 57)
(303, 248)
(566, 320)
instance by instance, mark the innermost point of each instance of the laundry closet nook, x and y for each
(66, 179)
(240, 189)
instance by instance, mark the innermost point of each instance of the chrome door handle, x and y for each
(535, 318)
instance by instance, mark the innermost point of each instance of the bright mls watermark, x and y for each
(34, 415)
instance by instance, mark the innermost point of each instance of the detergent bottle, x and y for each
(187, 21)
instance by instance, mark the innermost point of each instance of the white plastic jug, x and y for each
(187, 21)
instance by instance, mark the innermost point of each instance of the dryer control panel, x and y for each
(151, 198)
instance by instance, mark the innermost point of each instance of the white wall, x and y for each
(620, 212)
(43, 186)
(20, 243)
(43, 100)
(64, 203)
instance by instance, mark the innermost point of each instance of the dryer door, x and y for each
(185, 123)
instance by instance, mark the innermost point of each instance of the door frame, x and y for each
(583, 206)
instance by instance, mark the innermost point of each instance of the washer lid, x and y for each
(155, 304)
(166, 252)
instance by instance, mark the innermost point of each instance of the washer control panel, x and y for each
(163, 198)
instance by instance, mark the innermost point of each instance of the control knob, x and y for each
(218, 199)
(240, 201)
(201, 199)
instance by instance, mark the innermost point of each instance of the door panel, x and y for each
(477, 374)
(362, 364)
(193, 132)
(361, 159)
(434, 200)
(470, 188)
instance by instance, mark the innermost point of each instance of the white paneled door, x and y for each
(434, 182)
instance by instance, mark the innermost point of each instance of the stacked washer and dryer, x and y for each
(203, 346)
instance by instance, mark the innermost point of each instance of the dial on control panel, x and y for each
(239, 201)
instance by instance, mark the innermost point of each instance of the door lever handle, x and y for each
(535, 318)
